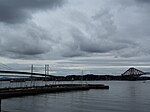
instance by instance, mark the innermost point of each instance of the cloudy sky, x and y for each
(94, 35)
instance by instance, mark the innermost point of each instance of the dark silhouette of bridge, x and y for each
(10, 72)
(133, 74)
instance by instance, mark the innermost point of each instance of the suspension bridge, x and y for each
(30, 88)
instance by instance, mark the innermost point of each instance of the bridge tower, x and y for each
(46, 73)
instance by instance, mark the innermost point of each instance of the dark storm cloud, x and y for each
(17, 11)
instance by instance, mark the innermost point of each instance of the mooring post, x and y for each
(0, 104)
(31, 76)
(82, 78)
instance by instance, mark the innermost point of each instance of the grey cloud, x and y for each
(97, 35)
(17, 11)
(99, 44)
(70, 32)
(24, 41)
(143, 1)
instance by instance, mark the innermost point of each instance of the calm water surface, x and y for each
(124, 96)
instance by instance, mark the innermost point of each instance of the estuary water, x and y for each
(123, 96)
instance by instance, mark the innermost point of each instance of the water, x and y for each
(125, 96)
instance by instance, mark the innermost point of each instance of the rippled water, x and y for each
(126, 96)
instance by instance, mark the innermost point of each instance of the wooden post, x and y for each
(82, 78)
(31, 76)
(45, 74)
(0, 104)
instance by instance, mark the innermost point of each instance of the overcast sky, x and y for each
(75, 34)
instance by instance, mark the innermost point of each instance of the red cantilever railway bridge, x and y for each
(134, 72)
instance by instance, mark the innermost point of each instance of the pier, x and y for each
(6, 93)
(17, 92)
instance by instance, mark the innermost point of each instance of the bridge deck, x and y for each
(24, 73)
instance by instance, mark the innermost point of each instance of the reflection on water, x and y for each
(126, 96)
